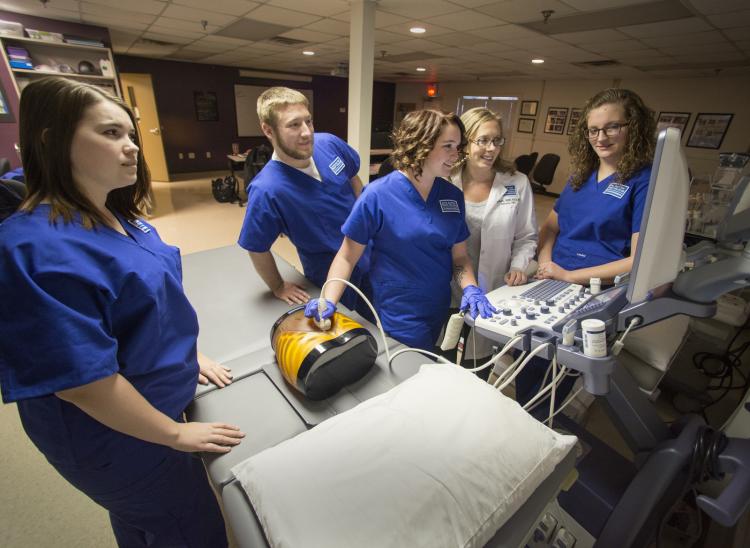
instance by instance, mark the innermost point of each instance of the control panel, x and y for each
(543, 304)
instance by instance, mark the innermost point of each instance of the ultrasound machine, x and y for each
(616, 502)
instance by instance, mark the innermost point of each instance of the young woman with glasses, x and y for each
(593, 229)
(499, 213)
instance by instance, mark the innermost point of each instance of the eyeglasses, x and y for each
(484, 142)
(610, 131)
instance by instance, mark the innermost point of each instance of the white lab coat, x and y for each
(509, 239)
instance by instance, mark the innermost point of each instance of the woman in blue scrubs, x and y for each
(415, 221)
(97, 338)
(593, 229)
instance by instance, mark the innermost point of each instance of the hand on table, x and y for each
(291, 293)
(213, 371)
(551, 271)
(211, 437)
(475, 301)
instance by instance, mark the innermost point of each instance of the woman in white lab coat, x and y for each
(499, 213)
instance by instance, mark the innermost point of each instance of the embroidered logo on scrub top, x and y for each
(449, 206)
(337, 165)
(617, 190)
(140, 226)
(511, 195)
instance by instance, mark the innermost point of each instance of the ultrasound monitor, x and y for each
(658, 255)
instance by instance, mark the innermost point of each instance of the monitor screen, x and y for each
(657, 257)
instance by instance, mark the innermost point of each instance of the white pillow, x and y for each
(443, 459)
(657, 343)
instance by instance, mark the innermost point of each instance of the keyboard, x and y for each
(543, 304)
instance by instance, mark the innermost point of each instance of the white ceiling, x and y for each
(465, 39)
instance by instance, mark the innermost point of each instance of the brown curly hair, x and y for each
(475, 117)
(415, 138)
(641, 141)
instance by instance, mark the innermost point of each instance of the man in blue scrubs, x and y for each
(305, 192)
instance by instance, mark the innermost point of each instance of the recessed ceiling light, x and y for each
(537, 61)
(418, 30)
(308, 52)
(421, 69)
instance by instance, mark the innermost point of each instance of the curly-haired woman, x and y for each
(593, 229)
(415, 221)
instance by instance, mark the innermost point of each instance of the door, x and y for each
(138, 92)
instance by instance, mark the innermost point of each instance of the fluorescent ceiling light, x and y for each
(418, 30)
(308, 52)
(421, 69)
(537, 61)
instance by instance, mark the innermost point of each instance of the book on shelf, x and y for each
(79, 41)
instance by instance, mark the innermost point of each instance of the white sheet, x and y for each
(443, 459)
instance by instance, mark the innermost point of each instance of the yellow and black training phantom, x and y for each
(320, 363)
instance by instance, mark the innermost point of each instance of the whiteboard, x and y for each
(246, 102)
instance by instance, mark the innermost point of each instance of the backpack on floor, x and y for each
(226, 190)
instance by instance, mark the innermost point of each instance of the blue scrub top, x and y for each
(597, 221)
(284, 200)
(411, 264)
(78, 305)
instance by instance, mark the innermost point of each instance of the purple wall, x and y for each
(9, 130)
(174, 83)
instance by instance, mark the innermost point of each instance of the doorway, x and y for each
(138, 91)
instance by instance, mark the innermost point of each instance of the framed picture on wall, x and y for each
(555, 122)
(575, 115)
(206, 106)
(526, 125)
(672, 119)
(709, 130)
(5, 113)
(529, 108)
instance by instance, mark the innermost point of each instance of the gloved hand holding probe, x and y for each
(311, 309)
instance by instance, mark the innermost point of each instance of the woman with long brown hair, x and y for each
(97, 338)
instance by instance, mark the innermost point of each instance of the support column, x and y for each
(361, 70)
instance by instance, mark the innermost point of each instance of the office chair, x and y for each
(544, 173)
(12, 194)
(525, 162)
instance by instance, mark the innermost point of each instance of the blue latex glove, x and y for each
(311, 309)
(475, 302)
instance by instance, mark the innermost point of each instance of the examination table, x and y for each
(236, 312)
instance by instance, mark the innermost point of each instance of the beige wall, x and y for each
(724, 95)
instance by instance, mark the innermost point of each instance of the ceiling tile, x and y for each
(711, 37)
(613, 47)
(153, 7)
(308, 35)
(182, 24)
(596, 5)
(731, 20)
(191, 14)
(415, 9)
(169, 38)
(602, 36)
(505, 33)
(280, 16)
(203, 45)
(680, 26)
(385, 37)
(525, 11)
(686, 49)
(331, 26)
(316, 7)
(708, 7)
(121, 23)
(194, 34)
(737, 34)
(465, 20)
(230, 7)
(432, 30)
(122, 39)
(87, 8)
(454, 39)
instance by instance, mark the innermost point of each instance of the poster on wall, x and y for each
(709, 130)
(575, 116)
(526, 125)
(529, 108)
(206, 106)
(5, 114)
(555, 122)
(672, 119)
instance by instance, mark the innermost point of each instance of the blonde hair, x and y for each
(271, 100)
(472, 120)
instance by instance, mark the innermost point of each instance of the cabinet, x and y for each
(61, 59)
